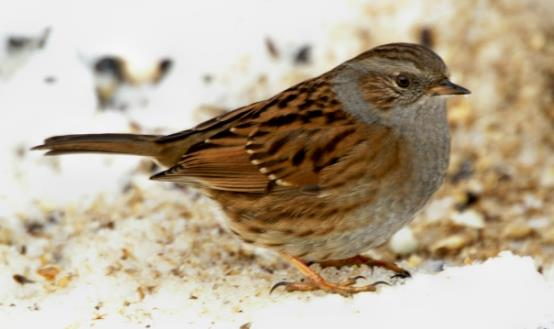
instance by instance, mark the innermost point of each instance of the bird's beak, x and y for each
(446, 87)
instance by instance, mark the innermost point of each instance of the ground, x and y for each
(92, 235)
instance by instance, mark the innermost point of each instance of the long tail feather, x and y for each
(146, 145)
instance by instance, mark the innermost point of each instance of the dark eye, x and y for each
(403, 81)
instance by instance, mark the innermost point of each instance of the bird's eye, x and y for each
(403, 81)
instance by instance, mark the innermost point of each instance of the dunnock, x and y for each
(322, 171)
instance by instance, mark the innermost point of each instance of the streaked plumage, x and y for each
(323, 170)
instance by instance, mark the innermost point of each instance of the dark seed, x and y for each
(303, 55)
(426, 37)
(271, 48)
(21, 279)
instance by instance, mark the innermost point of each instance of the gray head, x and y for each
(398, 75)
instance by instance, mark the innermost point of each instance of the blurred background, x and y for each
(161, 67)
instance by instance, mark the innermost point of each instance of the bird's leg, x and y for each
(364, 260)
(317, 282)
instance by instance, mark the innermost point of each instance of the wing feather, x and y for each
(298, 140)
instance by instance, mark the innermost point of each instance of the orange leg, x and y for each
(317, 282)
(364, 260)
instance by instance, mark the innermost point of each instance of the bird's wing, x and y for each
(301, 140)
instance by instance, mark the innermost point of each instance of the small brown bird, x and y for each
(322, 171)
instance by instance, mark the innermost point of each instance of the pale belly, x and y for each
(319, 233)
(357, 231)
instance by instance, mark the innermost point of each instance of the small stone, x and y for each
(537, 41)
(64, 282)
(469, 218)
(414, 261)
(468, 261)
(438, 209)
(6, 235)
(538, 223)
(547, 236)
(532, 202)
(403, 242)
(517, 230)
(451, 244)
(49, 272)
(547, 177)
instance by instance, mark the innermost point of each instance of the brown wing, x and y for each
(299, 139)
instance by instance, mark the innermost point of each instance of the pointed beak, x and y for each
(446, 87)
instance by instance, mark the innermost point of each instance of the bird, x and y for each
(321, 172)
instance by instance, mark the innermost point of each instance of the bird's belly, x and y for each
(321, 231)
(355, 232)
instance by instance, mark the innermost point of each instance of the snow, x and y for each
(201, 39)
(224, 39)
(504, 292)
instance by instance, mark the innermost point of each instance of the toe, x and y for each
(277, 285)
(402, 275)
(352, 281)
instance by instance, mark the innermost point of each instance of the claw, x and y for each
(277, 285)
(352, 281)
(402, 275)
(375, 284)
(371, 263)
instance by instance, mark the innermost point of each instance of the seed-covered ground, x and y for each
(88, 241)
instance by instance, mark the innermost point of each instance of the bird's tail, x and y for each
(145, 145)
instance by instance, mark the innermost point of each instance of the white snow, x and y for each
(202, 39)
(224, 39)
(504, 292)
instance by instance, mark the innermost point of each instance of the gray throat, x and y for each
(422, 124)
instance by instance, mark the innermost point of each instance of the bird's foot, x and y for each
(317, 282)
(364, 260)
(345, 288)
